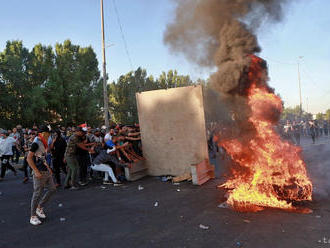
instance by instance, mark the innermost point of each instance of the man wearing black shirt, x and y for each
(42, 175)
(84, 160)
(57, 148)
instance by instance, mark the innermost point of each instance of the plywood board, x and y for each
(172, 125)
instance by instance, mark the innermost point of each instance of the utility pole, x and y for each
(300, 102)
(105, 93)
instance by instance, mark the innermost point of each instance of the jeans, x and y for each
(58, 165)
(25, 168)
(73, 171)
(107, 169)
(5, 164)
(39, 184)
(84, 161)
(15, 154)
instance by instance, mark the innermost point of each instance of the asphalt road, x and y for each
(127, 217)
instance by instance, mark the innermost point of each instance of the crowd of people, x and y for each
(290, 130)
(294, 130)
(80, 153)
(73, 150)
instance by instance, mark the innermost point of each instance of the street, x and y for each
(164, 215)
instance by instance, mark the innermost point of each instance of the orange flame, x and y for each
(272, 173)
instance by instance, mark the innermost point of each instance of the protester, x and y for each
(6, 153)
(296, 132)
(325, 127)
(42, 175)
(28, 140)
(57, 148)
(101, 163)
(84, 160)
(16, 135)
(70, 157)
(288, 131)
(312, 130)
(109, 134)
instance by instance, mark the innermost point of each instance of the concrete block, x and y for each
(136, 171)
(202, 172)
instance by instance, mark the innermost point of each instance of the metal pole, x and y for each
(300, 103)
(105, 94)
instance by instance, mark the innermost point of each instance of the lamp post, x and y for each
(105, 93)
(299, 81)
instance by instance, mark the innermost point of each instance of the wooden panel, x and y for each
(173, 131)
(202, 172)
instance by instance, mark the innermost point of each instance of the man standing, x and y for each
(42, 175)
(7, 152)
(312, 130)
(57, 148)
(76, 140)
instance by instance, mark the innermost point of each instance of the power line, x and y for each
(279, 62)
(122, 34)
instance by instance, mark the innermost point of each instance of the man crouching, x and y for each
(42, 175)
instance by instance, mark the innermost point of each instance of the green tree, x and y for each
(73, 88)
(122, 93)
(17, 85)
(327, 115)
(171, 79)
(294, 114)
(319, 116)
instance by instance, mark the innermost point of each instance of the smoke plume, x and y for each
(221, 33)
(209, 32)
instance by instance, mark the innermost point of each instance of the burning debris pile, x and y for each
(269, 171)
(266, 171)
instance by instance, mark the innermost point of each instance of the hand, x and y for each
(64, 161)
(37, 174)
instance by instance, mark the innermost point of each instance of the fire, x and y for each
(271, 171)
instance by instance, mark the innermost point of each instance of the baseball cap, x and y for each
(82, 129)
(43, 128)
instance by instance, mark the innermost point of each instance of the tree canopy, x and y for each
(58, 85)
(62, 85)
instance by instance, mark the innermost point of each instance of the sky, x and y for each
(304, 32)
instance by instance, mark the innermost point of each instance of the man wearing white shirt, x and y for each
(108, 135)
(16, 135)
(7, 151)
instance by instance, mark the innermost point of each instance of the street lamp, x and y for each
(299, 81)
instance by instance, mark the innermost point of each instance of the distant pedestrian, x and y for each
(296, 132)
(325, 127)
(312, 130)
(42, 175)
(288, 131)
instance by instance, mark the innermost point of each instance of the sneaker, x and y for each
(74, 188)
(83, 183)
(67, 187)
(41, 214)
(107, 182)
(118, 184)
(35, 221)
